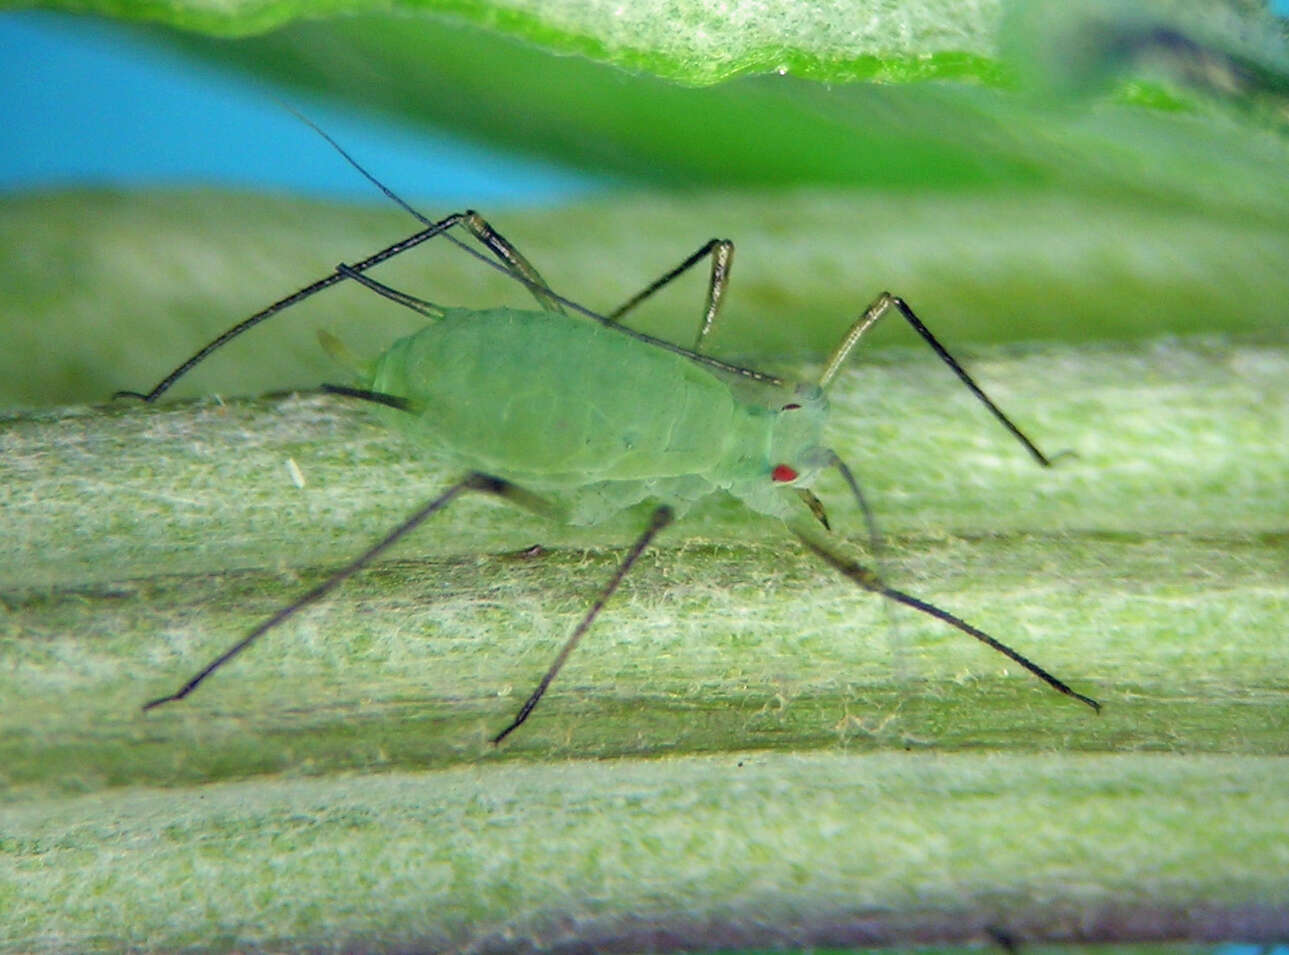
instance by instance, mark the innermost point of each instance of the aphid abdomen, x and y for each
(560, 402)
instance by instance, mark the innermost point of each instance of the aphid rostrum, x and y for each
(542, 408)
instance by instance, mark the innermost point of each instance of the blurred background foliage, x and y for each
(1024, 169)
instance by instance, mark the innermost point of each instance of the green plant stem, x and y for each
(746, 749)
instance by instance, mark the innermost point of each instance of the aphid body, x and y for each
(595, 419)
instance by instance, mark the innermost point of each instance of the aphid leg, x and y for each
(512, 262)
(474, 482)
(407, 300)
(661, 518)
(872, 314)
(722, 253)
(515, 262)
(871, 581)
(336, 276)
(375, 397)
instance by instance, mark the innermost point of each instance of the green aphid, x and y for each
(567, 413)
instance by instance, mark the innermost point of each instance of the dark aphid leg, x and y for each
(295, 297)
(661, 518)
(419, 305)
(474, 482)
(873, 313)
(722, 254)
(375, 397)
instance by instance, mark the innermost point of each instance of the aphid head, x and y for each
(776, 483)
(797, 451)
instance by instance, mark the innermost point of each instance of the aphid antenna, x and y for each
(533, 285)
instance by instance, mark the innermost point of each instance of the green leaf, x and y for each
(484, 82)
(763, 130)
(695, 43)
(699, 43)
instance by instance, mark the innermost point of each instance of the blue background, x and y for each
(82, 102)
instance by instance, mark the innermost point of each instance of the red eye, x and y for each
(783, 474)
(791, 407)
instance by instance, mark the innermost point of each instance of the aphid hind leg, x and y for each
(510, 258)
(722, 255)
(661, 518)
(871, 581)
(336, 276)
(474, 482)
(515, 262)
(881, 305)
(423, 306)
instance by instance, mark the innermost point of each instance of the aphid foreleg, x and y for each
(474, 482)
(871, 581)
(661, 518)
(722, 253)
(872, 314)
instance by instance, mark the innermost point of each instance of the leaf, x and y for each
(760, 130)
(694, 43)
(701, 43)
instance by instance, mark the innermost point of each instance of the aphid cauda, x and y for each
(568, 413)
